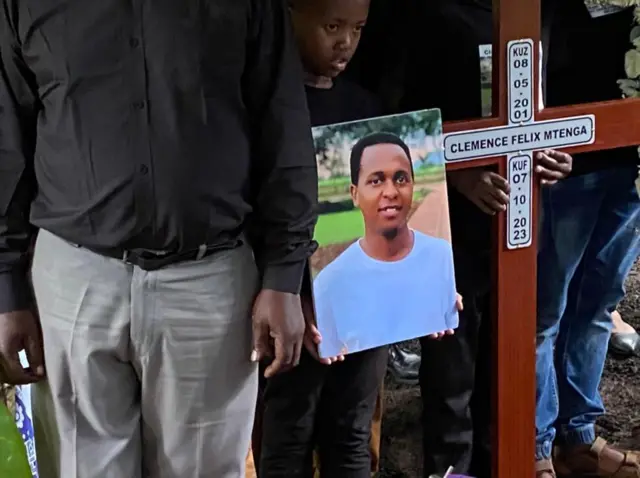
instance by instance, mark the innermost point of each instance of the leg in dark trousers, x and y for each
(328, 406)
(481, 403)
(346, 413)
(456, 392)
(290, 405)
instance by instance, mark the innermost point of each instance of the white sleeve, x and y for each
(325, 319)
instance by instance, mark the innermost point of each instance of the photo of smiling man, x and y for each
(395, 280)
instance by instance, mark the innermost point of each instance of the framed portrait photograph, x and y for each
(383, 272)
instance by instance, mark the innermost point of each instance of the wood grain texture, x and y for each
(514, 273)
(617, 125)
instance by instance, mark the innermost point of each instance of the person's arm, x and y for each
(284, 167)
(18, 116)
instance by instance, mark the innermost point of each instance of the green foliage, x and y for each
(330, 137)
(632, 64)
(13, 455)
(616, 3)
(630, 86)
(339, 227)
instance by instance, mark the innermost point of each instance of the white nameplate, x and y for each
(520, 137)
(502, 140)
(519, 211)
(520, 81)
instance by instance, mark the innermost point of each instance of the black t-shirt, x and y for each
(443, 65)
(378, 62)
(586, 59)
(583, 59)
(345, 101)
(443, 71)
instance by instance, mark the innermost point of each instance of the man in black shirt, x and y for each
(163, 149)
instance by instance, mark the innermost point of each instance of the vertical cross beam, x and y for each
(515, 291)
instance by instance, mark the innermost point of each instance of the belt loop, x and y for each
(125, 256)
(202, 250)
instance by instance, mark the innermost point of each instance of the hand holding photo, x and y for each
(384, 269)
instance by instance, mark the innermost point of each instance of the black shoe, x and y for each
(404, 366)
(625, 345)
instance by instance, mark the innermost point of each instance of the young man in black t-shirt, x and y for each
(455, 376)
(326, 405)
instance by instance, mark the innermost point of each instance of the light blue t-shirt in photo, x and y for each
(362, 303)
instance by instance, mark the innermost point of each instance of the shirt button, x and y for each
(144, 169)
(134, 42)
(139, 105)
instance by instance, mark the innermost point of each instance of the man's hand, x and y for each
(486, 189)
(278, 329)
(553, 166)
(460, 307)
(20, 331)
(312, 336)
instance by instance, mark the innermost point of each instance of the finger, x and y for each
(261, 341)
(550, 175)
(297, 350)
(275, 367)
(559, 156)
(553, 165)
(35, 356)
(310, 345)
(315, 333)
(494, 205)
(459, 303)
(312, 348)
(14, 373)
(546, 164)
(500, 182)
(480, 204)
(449, 332)
(500, 196)
(283, 359)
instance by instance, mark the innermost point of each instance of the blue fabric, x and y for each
(362, 303)
(588, 243)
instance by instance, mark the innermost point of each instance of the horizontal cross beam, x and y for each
(617, 124)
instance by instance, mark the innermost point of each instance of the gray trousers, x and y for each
(149, 373)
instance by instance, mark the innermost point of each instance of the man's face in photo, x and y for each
(384, 192)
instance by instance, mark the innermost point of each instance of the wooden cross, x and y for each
(617, 124)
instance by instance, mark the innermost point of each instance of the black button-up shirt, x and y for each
(158, 125)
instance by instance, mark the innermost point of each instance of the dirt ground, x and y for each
(401, 447)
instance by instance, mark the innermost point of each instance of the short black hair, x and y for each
(371, 140)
